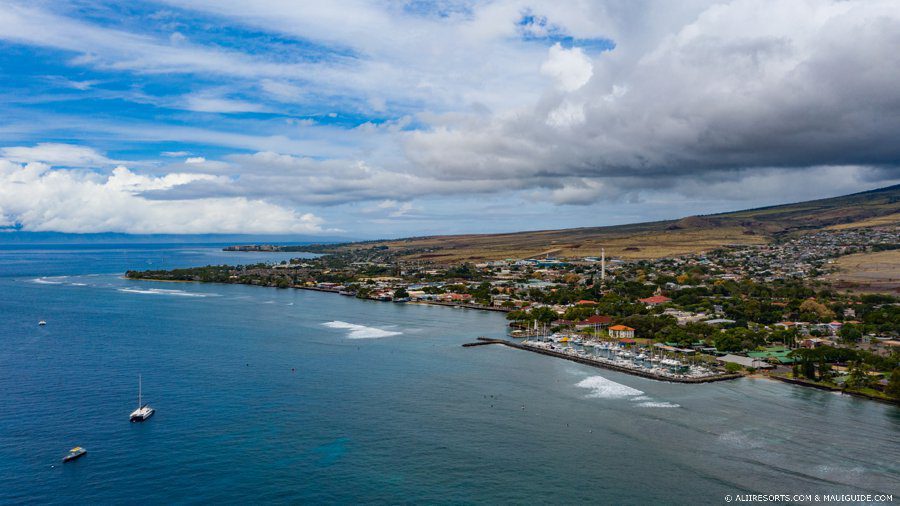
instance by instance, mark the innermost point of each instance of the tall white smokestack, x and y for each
(602, 264)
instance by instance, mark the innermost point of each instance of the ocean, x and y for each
(278, 396)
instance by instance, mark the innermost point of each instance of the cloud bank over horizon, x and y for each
(397, 118)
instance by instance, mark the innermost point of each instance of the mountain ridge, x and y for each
(690, 234)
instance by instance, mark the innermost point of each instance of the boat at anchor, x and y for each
(144, 411)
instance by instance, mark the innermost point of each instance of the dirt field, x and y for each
(869, 272)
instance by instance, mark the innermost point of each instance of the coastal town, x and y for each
(737, 310)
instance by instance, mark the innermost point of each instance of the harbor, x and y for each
(607, 355)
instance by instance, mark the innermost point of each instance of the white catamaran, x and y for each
(144, 411)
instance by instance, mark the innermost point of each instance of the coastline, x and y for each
(827, 388)
(486, 341)
(475, 307)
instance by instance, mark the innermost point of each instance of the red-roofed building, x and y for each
(655, 300)
(586, 303)
(594, 322)
(454, 297)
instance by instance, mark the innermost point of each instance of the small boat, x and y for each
(74, 453)
(144, 411)
(42, 323)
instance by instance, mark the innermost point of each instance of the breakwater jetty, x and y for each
(482, 341)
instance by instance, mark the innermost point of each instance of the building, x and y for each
(655, 300)
(454, 297)
(815, 342)
(595, 322)
(745, 362)
(621, 332)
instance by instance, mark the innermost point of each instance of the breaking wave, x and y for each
(654, 404)
(603, 388)
(49, 280)
(162, 291)
(361, 331)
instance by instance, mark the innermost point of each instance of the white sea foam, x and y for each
(360, 331)
(78, 284)
(49, 280)
(641, 398)
(603, 388)
(741, 440)
(162, 291)
(656, 404)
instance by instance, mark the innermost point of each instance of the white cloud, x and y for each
(566, 115)
(206, 102)
(696, 96)
(67, 155)
(39, 198)
(570, 68)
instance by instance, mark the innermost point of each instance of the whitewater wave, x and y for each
(742, 440)
(603, 388)
(49, 280)
(78, 284)
(655, 404)
(355, 331)
(162, 291)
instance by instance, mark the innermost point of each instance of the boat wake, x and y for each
(361, 331)
(162, 291)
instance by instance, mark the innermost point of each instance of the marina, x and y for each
(609, 356)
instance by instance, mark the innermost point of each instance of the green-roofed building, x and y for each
(778, 354)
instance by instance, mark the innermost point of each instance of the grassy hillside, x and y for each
(663, 238)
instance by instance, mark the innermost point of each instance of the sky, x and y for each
(372, 119)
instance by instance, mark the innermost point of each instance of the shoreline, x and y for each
(332, 290)
(827, 388)
(611, 367)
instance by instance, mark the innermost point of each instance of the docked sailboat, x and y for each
(144, 411)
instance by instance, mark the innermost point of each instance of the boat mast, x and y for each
(139, 391)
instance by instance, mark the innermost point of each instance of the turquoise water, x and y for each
(273, 395)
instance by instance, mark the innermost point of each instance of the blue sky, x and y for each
(378, 119)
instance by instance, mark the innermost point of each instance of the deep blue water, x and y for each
(269, 395)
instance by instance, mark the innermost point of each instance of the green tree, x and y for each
(809, 369)
(858, 376)
(826, 373)
(893, 386)
(732, 367)
(850, 333)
